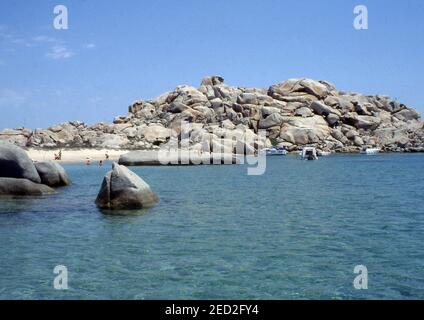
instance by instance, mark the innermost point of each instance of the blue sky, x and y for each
(115, 52)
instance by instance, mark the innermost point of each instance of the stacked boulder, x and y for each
(52, 174)
(20, 176)
(294, 113)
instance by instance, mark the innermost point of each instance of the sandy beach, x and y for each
(75, 155)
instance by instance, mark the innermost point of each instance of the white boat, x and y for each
(309, 153)
(275, 151)
(324, 153)
(370, 151)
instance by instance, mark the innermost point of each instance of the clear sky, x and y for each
(115, 52)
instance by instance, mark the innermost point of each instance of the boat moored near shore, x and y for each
(370, 151)
(309, 153)
(275, 151)
(324, 153)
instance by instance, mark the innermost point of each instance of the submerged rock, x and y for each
(52, 174)
(23, 187)
(15, 163)
(123, 189)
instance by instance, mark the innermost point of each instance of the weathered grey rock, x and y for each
(362, 109)
(247, 98)
(407, 114)
(62, 135)
(391, 136)
(18, 137)
(227, 93)
(342, 103)
(155, 132)
(212, 81)
(358, 141)
(42, 138)
(15, 163)
(177, 107)
(207, 113)
(332, 119)
(123, 189)
(317, 124)
(267, 111)
(302, 131)
(273, 120)
(148, 111)
(299, 136)
(351, 134)
(339, 136)
(322, 109)
(208, 91)
(320, 89)
(304, 112)
(189, 95)
(390, 105)
(110, 141)
(367, 122)
(23, 187)
(52, 173)
(118, 128)
(227, 124)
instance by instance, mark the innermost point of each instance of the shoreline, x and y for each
(75, 155)
(95, 155)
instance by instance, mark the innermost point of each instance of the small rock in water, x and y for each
(123, 189)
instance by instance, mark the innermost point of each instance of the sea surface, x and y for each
(296, 232)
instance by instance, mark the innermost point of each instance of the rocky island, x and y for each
(294, 113)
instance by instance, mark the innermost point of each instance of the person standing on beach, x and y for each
(58, 156)
(107, 156)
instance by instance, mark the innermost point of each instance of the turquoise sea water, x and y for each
(296, 232)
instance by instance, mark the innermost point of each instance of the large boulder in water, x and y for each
(140, 158)
(123, 189)
(52, 173)
(177, 157)
(15, 163)
(23, 187)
